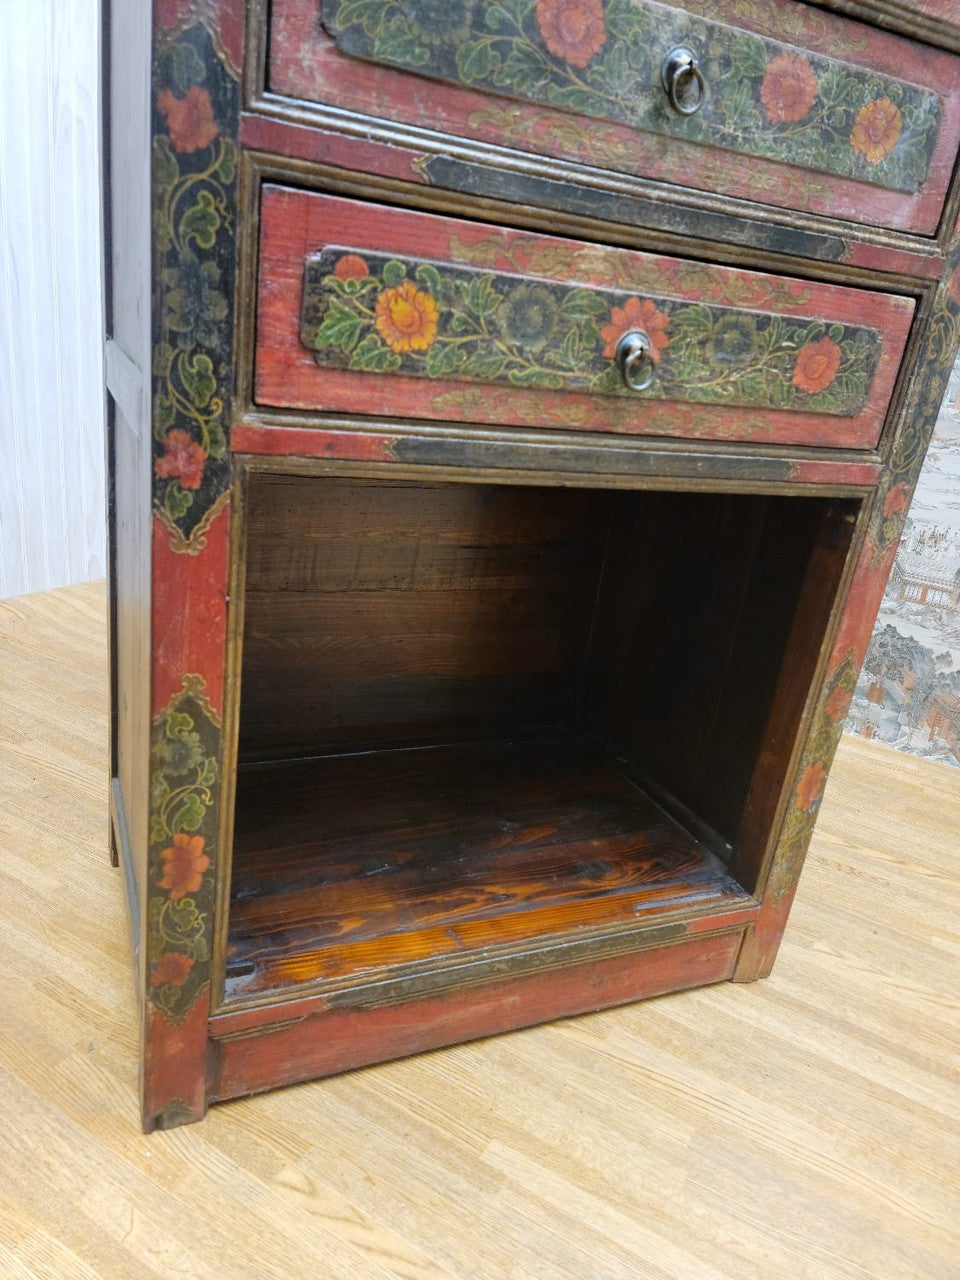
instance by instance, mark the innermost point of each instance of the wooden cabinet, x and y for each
(513, 413)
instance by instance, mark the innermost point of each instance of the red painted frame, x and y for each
(296, 224)
(304, 63)
(189, 1062)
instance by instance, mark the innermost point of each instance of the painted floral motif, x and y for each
(573, 30)
(184, 863)
(897, 500)
(406, 318)
(190, 121)
(184, 750)
(194, 176)
(789, 89)
(528, 317)
(182, 460)
(810, 788)
(601, 59)
(171, 970)
(817, 365)
(440, 320)
(876, 129)
(351, 267)
(886, 526)
(637, 314)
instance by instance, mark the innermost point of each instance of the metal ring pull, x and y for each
(679, 74)
(634, 358)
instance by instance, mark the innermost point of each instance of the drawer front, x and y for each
(797, 108)
(369, 309)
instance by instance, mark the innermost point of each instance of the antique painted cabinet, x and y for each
(513, 411)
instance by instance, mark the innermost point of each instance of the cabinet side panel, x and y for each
(194, 108)
(886, 522)
(127, 165)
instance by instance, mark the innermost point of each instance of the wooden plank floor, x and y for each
(807, 1126)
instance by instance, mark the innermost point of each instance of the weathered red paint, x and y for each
(305, 63)
(224, 18)
(761, 941)
(173, 1061)
(311, 442)
(863, 604)
(893, 261)
(296, 224)
(189, 614)
(826, 471)
(280, 137)
(339, 1040)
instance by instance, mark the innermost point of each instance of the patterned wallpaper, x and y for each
(909, 690)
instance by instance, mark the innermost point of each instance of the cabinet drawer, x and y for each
(370, 309)
(798, 108)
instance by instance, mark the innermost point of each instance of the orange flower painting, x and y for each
(407, 318)
(182, 460)
(573, 30)
(184, 863)
(817, 365)
(190, 121)
(876, 129)
(636, 314)
(789, 89)
(171, 970)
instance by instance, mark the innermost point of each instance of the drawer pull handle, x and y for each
(634, 358)
(679, 74)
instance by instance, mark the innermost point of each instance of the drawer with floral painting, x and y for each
(374, 310)
(781, 103)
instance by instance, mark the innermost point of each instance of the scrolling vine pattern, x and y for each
(194, 214)
(370, 312)
(602, 58)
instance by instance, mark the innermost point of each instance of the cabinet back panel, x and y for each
(392, 614)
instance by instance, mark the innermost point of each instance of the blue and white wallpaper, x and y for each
(909, 689)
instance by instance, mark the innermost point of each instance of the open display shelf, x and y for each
(480, 719)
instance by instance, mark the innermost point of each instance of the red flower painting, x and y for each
(636, 314)
(573, 30)
(351, 267)
(811, 785)
(789, 89)
(190, 120)
(171, 970)
(182, 460)
(817, 365)
(838, 703)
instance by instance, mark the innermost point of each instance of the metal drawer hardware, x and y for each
(635, 360)
(678, 74)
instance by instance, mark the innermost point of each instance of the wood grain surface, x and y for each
(345, 864)
(295, 225)
(803, 1126)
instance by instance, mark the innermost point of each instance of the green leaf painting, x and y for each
(375, 313)
(761, 98)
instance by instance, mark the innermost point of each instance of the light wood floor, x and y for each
(807, 1126)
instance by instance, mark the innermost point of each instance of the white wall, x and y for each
(51, 408)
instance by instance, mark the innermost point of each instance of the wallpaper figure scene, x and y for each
(908, 694)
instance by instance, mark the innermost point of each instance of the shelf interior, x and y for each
(473, 716)
(346, 864)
